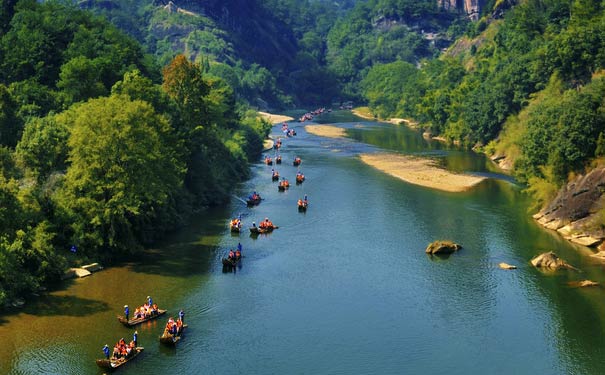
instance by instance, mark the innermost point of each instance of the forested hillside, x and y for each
(101, 150)
(272, 52)
(529, 86)
(286, 53)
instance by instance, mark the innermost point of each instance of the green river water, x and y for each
(344, 288)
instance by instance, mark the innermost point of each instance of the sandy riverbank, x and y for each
(423, 172)
(275, 119)
(325, 131)
(363, 113)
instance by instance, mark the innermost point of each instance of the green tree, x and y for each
(43, 147)
(121, 169)
(10, 125)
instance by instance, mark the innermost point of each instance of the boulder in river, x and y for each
(583, 283)
(550, 260)
(506, 266)
(442, 247)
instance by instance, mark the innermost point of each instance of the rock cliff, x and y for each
(574, 213)
(471, 7)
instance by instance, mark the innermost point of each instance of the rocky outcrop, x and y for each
(442, 247)
(83, 271)
(572, 212)
(504, 162)
(550, 260)
(472, 8)
(506, 266)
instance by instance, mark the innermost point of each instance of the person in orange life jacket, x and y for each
(238, 252)
(126, 311)
(231, 255)
(106, 351)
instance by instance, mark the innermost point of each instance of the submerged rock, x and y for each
(582, 284)
(599, 255)
(585, 283)
(93, 267)
(442, 247)
(506, 266)
(550, 260)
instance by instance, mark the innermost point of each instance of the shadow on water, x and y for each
(438, 257)
(190, 252)
(51, 305)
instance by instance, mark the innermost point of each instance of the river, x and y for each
(344, 288)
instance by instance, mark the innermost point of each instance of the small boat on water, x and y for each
(254, 200)
(296, 161)
(169, 339)
(278, 159)
(283, 185)
(268, 161)
(135, 321)
(300, 178)
(231, 262)
(235, 225)
(258, 230)
(302, 206)
(114, 363)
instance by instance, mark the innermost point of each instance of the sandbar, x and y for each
(325, 131)
(363, 114)
(421, 171)
(275, 119)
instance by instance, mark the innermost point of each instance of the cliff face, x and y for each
(573, 212)
(470, 7)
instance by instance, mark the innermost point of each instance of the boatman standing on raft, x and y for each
(106, 351)
(149, 301)
(182, 316)
(135, 336)
(126, 311)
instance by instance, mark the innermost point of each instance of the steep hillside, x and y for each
(263, 48)
(380, 32)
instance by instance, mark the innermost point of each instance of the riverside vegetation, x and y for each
(524, 83)
(101, 151)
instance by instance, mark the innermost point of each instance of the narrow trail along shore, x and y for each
(418, 171)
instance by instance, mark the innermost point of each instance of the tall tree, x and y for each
(121, 169)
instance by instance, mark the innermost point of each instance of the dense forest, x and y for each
(288, 53)
(101, 150)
